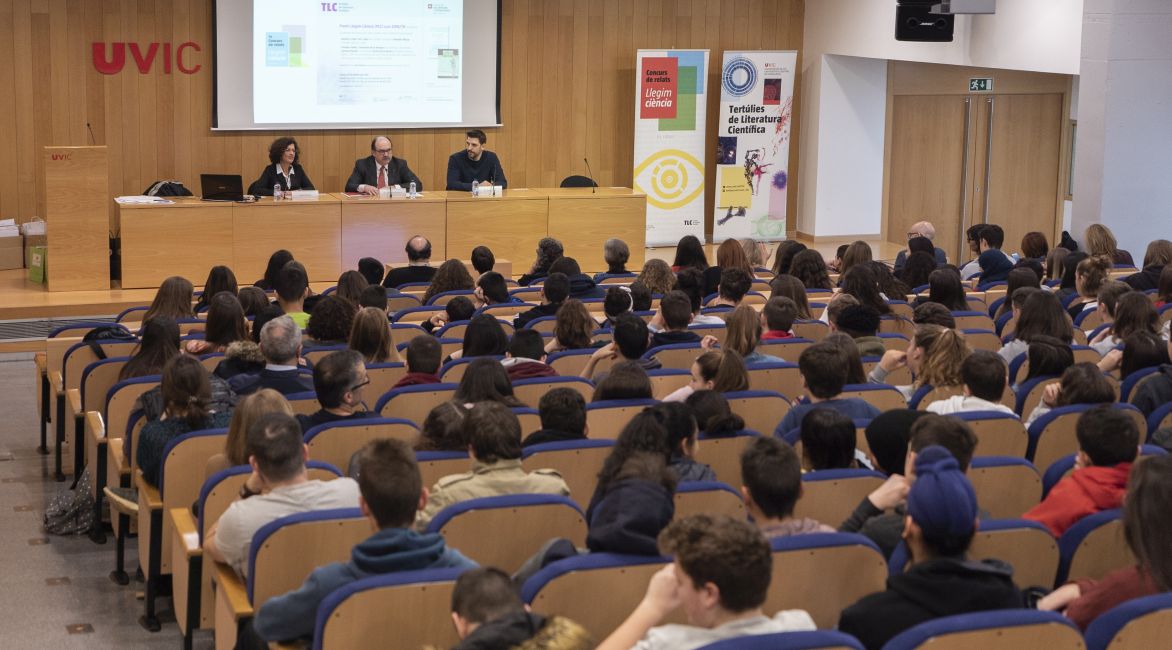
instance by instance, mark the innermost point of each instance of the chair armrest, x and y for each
(186, 533)
(95, 428)
(116, 463)
(57, 382)
(73, 399)
(41, 361)
(148, 495)
(230, 588)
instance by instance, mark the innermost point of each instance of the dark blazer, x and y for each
(366, 173)
(285, 382)
(263, 186)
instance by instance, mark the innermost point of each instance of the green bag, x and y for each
(37, 264)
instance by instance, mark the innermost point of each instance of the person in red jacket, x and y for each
(1108, 442)
(423, 362)
(1147, 527)
(525, 356)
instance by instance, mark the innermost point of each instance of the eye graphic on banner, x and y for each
(738, 77)
(670, 178)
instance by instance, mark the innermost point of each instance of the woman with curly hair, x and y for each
(809, 267)
(284, 170)
(452, 275)
(573, 328)
(548, 252)
(331, 320)
(934, 356)
(1101, 243)
(657, 276)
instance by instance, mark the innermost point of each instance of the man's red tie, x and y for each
(382, 177)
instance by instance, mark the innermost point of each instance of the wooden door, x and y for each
(1018, 164)
(927, 171)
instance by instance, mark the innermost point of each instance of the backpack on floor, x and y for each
(71, 511)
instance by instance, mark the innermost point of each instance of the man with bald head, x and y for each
(381, 169)
(920, 229)
(418, 267)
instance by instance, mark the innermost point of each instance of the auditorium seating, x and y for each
(829, 496)
(676, 355)
(762, 410)
(413, 402)
(882, 396)
(1006, 628)
(1025, 545)
(783, 378)
(411, 607)
(607, 418)
(453, 371)
(528, 418)
(998, 434)
(1137, 624)
(1093, 547)
(823, 573)
(1006, 486)
(530, 391)
(336, 442)
(708, 497)
(1052, 436)
(666, 381)
(578, 462)
(818, 640)
(785, 349)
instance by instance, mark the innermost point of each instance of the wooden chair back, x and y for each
(708, 497)
(882, 396)
(520, 525)
(415, 405)
(1030, 549)
(814, 330)
(571, 363)
(578, 463)
(761, 410)
(668, 380)
(286, 557)
(999, 436)
(383, 376)
(982, 340)
(723, 455)
(785, 349)
(530, 391)
(830, 496)
(336, 443)
(435, 465)
(415, 614)
(823, 573)
(681, 357)
(1102, 551)
(607, 418)
(1006, 487)
(781, 378)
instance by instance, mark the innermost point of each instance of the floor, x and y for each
(57, 593)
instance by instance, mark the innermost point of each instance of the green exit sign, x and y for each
(981, 85)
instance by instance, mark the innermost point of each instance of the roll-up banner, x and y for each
(752, 145)
(669, 141)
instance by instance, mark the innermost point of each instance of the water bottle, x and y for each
(411, 190)
(277, 192)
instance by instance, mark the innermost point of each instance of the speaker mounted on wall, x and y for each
(914, 21)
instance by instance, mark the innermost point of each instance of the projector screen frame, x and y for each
(215, 126)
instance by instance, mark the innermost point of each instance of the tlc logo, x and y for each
(62, 156)
(141, 60)
(329, 6)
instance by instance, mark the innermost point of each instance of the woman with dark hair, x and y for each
(452, 275)
(784, 257)
(854, 359)
(253, 300)
(1016, 279)
(1129, 313)
(371, 337)
(226, 325)
(220, 278)
(443, 429)
(1147, 528)
(1082, 383)
(1055, 263)
(1164, 290)
(714, 417)
(916, 270)
(1047, 357)
(858, 252)
(158, 343)
(277, 261)
(1034, 246)
(331, 320)
(484, 336)
(573, 327)
(485, 380)
(719, 370)
(1156, 258)
(809, 267)
(1089, 276)
(626, 380)
(548, 252)
(172, 300)
(284, 170)
(888, 284)
(859, 281)
(828, 441)
(743, 333)
(1066, 288)
(1141, 350)
(689, 253)
(1041, 315)
(792, 288)
(350, 286)
(187, 395)
(681, 429)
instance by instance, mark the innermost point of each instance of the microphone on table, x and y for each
(593, 183)
(91, 130)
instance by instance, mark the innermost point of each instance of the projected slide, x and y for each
(357, 61)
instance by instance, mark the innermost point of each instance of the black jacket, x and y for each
(883, 528)
(629, 517)
(542, 436)
(930, 590)
(366, 173)
(583, 287)
(1148, 278)
(285, 382)
(505, 632)
(405, 274)
(550, 309)
(1155, 392)
(263, 186)
(668, 337)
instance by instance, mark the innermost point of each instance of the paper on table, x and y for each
(140, 199)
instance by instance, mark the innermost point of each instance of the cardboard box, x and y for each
(11, 252)
(29, 242)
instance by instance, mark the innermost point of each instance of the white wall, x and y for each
(1033, 35)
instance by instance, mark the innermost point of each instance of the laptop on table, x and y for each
(221, 187)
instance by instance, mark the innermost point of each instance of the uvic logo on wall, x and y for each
(181, 57)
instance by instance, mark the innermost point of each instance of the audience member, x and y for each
(984, 374)
(1034, 246)
(252, 300)
(673, 318)
(225, 325)
(657, 276)
(787, 286)
(720, 573)
(277, 261)
(371, 337)
(771, 474)
(987, 237)
(626, 380)
(292, 291)
(854, 360)
(995, 267)
(1041, 315)
(443, 428)
(1158, 256)
(635, 504)
(860, 282)
(861, 323)
(158, 343)
(941, 581)
(691, 282)
(890, 287)
(920, 230)
(563, 418)
(280, 343)
(494, 436)
(809, 267)
(1101, 243)
(249, 410)
(1108, 444)
(1055, 263)
(857, 253)
(640, 296)
(483, 260)
(714, 417)
(1081, 383)
(631, 341)
(350, 285)
(391, 493)
(452, 275)
(488, 613)
(491, 289)
(1141, 350)
(1047, 357)
(1089, 276)
(720, 370)
(689, 254)
(582, 286)
(277, 455)
(887, 437)
(945, 288)
(220, 278)
(783, 258)
(778, 318)
(1129, 312)
(757, 252)
(331, 321)
(548, 251)
(680, 426)
(458, 309)
(573, 327)
(828, 441)
(484, 336)
(418, 269)
(933, 313)
(824, 368)
(424, 354)
(918, 270)
(338, 380)
(485, 380)
(372, 271)
(172, 300)
(1018, 278)
(617, 301)
(554, 292)
(729, 255)
(743, 334)
(934, 356)
(525, 356)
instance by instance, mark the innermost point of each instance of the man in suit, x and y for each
(280, 343)
(418, 267)
(475, 165)
(380, 169)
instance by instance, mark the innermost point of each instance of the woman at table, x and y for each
(285, 156)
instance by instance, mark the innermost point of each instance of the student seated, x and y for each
(457, 309)
(554, 292)
(777, 318)
(734, 284)
(681, 429)
(582, 286)
(772, 477)
(626, 380)
(338, 380)
(390, 494)
(631, 341)
(277, 455)
(861, 323)
(491, 289)
(871, 518)
(823, 367)
(1157, 391)
(418, 269)
(1108, 444)
(720, 574)
(1081, 383)
(375, 296)
(563, 417)
(714, 417)
(483, 260)
(424, 354)
(743, 334)
(372, 271)
(633, 502)
(292, 290)
(672, 320)
(691, 281)
(719, 370)
(984, 374)
(617, 301)
(573, 328)
(887, 437)
(941, 581)
(828, 441)
(525, 356)
(488, 613)
(934, 356)
(280, 343)
(494, 436)
(1146, 527)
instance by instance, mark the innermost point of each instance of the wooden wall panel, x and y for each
(567, 92)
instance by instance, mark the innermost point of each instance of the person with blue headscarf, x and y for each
(940, 580)
(995, 267)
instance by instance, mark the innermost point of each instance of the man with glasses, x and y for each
(338, 380)
(926, 230)
(381, 169)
